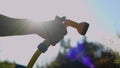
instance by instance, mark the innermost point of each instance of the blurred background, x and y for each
(99, 49)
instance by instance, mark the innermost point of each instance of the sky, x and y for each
(102, 15)
(109, 10)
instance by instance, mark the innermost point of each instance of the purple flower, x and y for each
(78, 53)
(72, 53)
(87, 61)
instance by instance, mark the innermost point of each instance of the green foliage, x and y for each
(7, 64)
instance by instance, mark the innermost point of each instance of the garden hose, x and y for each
(34, 58)
(41, 49)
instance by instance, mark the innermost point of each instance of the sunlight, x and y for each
(39, 19)
(35, 20)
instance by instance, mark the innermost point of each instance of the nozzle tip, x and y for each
(85, 28)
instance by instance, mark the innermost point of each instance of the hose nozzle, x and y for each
(81, 27)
